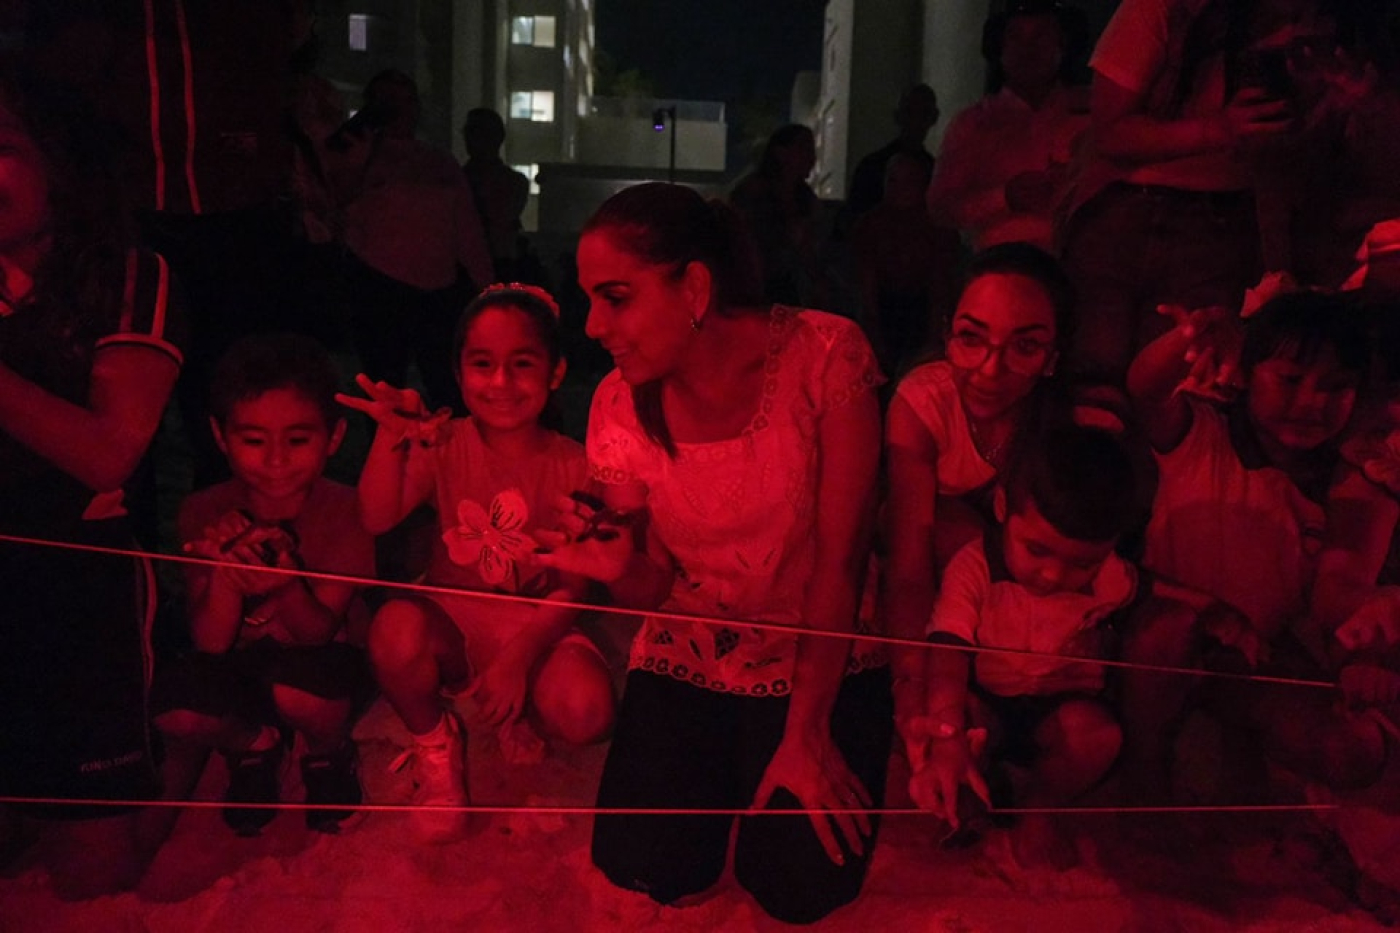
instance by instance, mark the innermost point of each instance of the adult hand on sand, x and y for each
(812, 769)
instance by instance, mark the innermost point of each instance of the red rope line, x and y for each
(890, 640)
(570, 810)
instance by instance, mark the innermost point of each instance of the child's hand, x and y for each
(591, 541)
(400, 412)
(1375, 626)
(236, 539)
(1214, 337)
(1366, 684)
(1229, 628)
(500, 691)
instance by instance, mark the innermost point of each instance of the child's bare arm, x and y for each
(385, 491)
(215, 609)
(1201, 340)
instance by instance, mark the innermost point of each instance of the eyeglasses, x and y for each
(1025, 356)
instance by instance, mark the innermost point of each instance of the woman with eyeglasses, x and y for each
(952, 427)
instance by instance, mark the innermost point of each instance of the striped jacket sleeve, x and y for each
(150, 313)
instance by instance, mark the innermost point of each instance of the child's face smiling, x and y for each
(1299, 406)
(277, 444)
(1043, 560)
(505, 371)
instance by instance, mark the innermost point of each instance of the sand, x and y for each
(532, 872)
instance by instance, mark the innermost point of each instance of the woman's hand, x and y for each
(951, 761)
(399, 412)
(591, 540)
(814, 771)
(910, 703)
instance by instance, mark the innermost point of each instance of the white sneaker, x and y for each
(440, 779)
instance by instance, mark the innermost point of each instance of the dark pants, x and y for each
(239, 683)
(394, 324)
(1133, 247)
(679, 746)
(235, 272)
(74, 658)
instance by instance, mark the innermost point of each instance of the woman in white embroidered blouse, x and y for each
(749, 437)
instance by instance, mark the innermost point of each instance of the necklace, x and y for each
(991, 453)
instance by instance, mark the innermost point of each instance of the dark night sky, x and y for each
(729, 50)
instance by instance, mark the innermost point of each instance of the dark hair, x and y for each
(1302, 325)
(262, 362)
(671, 226)
(1034, 263)
(389, 77)
(78, 281)
(1074, 39)
(781, 138)
(1082, 480)
(485, 124)
(542, 311)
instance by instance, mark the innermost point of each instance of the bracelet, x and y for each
(944, 730)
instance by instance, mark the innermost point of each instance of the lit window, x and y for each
(544, 32)
(532, 105)
(532, 30)
(359, 32)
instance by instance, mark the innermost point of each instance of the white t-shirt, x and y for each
(1244, 535)
(1139, 50)
(982, 605)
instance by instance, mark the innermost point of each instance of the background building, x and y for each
(868, 58)
(533, 62)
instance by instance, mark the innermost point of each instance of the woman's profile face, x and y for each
(24, 187)
(1001, 341)
(638, 311)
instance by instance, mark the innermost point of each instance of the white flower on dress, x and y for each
(496, 541)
